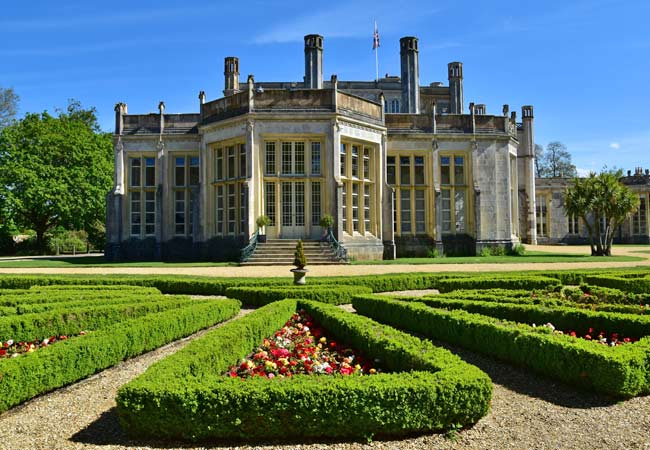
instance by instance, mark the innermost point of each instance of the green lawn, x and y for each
(528, 257)
(98, 261)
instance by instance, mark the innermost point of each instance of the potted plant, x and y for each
(300, 261)
(262, 222)
(326, 222)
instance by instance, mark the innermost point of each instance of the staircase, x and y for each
(280, 252)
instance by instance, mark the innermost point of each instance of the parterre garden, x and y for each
(300, 367)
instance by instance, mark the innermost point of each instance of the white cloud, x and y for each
(615, 145)
(583, 172)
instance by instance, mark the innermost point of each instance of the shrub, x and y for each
(259, 295)
(300, 261)
(76, 358)
(435, 390)
(619, 371)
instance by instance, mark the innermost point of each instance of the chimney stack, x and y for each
(313, 61)
(231, 74)
(410, 65)
(455, 76)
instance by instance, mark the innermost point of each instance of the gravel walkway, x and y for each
(527, 411)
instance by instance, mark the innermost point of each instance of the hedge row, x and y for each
(90, 297)
(627, 284)
(71, 321)
(68, 361)
(562, 317)
(530, 283)
(611, 295)
(622, 371)
(188, 396)
(259, 296)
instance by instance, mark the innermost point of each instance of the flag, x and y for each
(375, 40)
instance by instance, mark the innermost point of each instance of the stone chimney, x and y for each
(231, 75)
(120, 112)
(410, 65)
(455, 76)
(314, 61)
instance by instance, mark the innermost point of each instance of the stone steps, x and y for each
(280, 252)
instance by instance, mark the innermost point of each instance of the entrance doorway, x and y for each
(292, 198)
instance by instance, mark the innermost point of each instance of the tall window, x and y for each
(186, 175)
(573, 224)
(541, 213)
(269, 201)
(315, 202)
(453, 194)
(358, 185)
(315, 158)
(269, 159)
(391, 106)
(142, 196)
(639, 225)
(408, 175)
(230, 195)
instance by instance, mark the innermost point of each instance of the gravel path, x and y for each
(527, 411)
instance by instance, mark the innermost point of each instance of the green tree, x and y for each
(603, 203)
(56, 171)
(554, 161)
(8, 106)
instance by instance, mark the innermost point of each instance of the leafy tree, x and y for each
(554, 162)
(56, 171)
(8, 106)
(539, 153)
(603, 203)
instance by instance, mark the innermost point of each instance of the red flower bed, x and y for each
(301, 347)
(11, 349)
(601, 337)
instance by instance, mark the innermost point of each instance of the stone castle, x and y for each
(401, 167)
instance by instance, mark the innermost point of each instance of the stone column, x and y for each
(386, 229)
(529, 171)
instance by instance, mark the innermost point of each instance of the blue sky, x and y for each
(584, 65)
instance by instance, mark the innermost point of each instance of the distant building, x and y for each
(403, 168)
(554, 226)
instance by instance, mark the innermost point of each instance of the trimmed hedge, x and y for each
(611, 295)
(622, 371)
(490, 282)
(188, 396)
(30, 298)
(68, 361)
(562, 317)
(259, 296)
(636, 285)
(64, 320)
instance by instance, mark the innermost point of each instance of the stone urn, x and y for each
(299, 276)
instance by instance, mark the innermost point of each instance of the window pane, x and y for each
(231, 163)
(135, 172)
(232, 208)
(315, 158)
(390, 170)
(269, 164)
(150, 213)
(366, 163)
(219, 169)
(344, 172)
(419, 211)
(150, 172)
(135, 213)
(179, 212)
(286, 158)
(243, 208)
(459, 209)
(315, 203)
(355, 207)
(194, 171)
(242, 161)
(366, 207)
(179, 172)
(269, 202)
(355, 161)
(287, 204)
(446, 210)
(404, 170)
(419, 170)
(299, 188)
(445, 173)
(405, 211)
(459, 170)
(299, 158)
(220, 209)
(344, 206)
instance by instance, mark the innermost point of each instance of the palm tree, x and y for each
(603, 203)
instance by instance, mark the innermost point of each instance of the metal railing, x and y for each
(248, 251)
(339, 251)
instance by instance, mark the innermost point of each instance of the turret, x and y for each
(529, 135)
(455, 76)
(231, 75)
(314, 61)
(410, 74)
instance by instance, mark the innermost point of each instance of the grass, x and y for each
(98, 261)
(528, 257)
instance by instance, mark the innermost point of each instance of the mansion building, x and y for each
(403, 168)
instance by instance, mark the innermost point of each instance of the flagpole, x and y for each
(376, 55)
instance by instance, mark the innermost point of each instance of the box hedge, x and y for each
(621, 371)
(259, 295)
(187, 396)
(67, 361)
